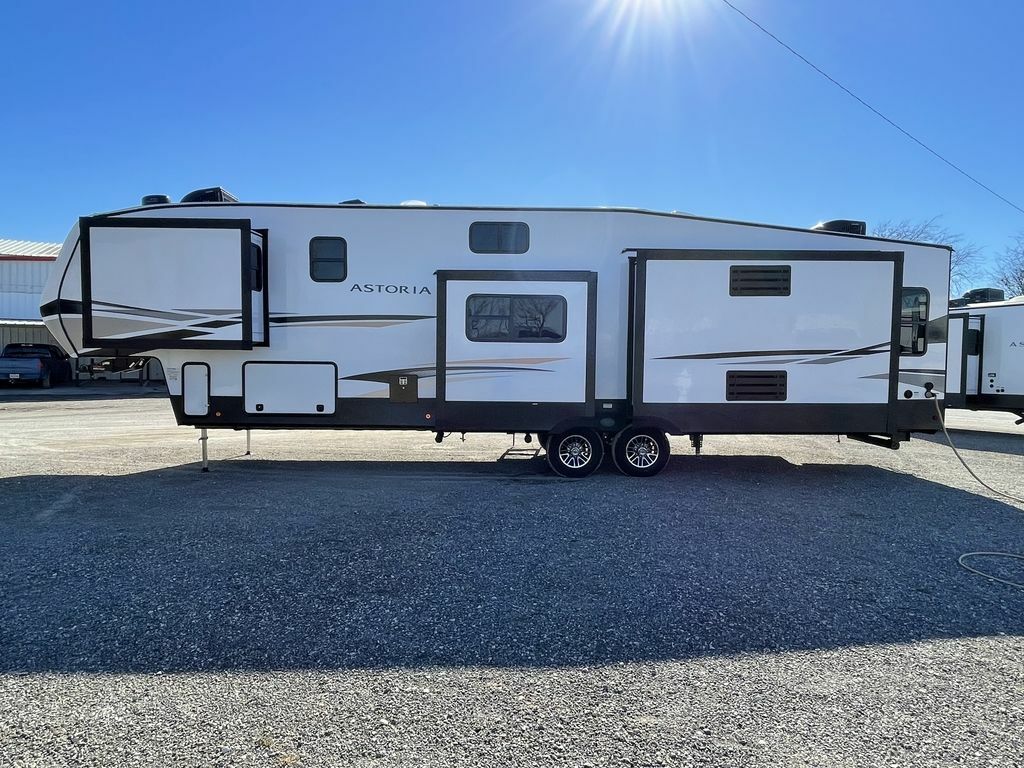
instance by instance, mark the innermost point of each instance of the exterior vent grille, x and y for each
(756, 280)
(755, 385)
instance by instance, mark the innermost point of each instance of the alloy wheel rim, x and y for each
(575, 451)
(642, 451)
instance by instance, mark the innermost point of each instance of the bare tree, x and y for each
(966, 254)
(1009, 269)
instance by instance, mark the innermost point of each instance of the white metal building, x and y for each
(24, 269)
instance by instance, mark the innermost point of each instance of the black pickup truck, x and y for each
(42, 364)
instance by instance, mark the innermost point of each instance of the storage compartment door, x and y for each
(293, 389)
(195, 388)
(516, 340)
(166, 283)
(956, 362)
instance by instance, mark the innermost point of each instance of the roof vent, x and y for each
(155, 200)
(414, 204)
(846, 226)
(353, 201)
(210, 195)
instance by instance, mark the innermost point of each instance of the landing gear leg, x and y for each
(202, 442)
(248, 442)
(697, 441)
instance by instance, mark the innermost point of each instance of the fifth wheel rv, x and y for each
(597, 329)
(986, 354)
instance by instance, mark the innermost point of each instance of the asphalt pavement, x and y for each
(374, 599)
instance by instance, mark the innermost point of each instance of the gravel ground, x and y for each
(373, 599)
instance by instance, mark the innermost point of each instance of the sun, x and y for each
(655, 34)
(629, 21)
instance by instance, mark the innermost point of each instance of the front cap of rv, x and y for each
(60, 304)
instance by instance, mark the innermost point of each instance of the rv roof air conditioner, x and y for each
(155, 200)
(210, 195)
(984, 295)
(846, 226)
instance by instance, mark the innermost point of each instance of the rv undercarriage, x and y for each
(577, 448)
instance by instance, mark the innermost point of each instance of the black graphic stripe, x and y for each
(327, 318)
(430, 372)
(754, 353)
(217, 323)
(61, 307)
(874, 349)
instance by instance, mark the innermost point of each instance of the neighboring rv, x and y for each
(598, 329)
(986, 355)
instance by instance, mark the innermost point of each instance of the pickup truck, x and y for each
(42, 364)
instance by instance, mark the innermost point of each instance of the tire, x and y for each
(46, 381)
(576, 453)
(641, 451)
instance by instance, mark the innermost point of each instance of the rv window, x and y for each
(515, 318)
(499, 237)
(328, 259)
(914, 322)
(256, 268)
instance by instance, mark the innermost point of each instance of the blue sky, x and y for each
(538, 102)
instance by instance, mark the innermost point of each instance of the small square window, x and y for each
(328, 259)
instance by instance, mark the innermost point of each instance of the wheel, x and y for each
(641, 451)
(576, 453)
(46, 382)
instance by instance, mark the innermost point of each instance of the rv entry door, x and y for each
(515, 349)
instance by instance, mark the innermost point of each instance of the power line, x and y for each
(853, 95)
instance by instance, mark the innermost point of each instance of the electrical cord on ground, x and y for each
(965, 555)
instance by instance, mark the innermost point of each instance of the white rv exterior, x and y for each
(595, 328)
(986, 357)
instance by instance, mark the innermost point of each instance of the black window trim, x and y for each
(475, 224)
(343, 260)
(513, 296)
(927, 313)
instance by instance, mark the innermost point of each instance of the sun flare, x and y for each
(628, 21)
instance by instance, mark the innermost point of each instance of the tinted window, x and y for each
(256, 268)
(515, 318)
(499, 237)
(328, 259)
(27, 352)
(914, 322)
